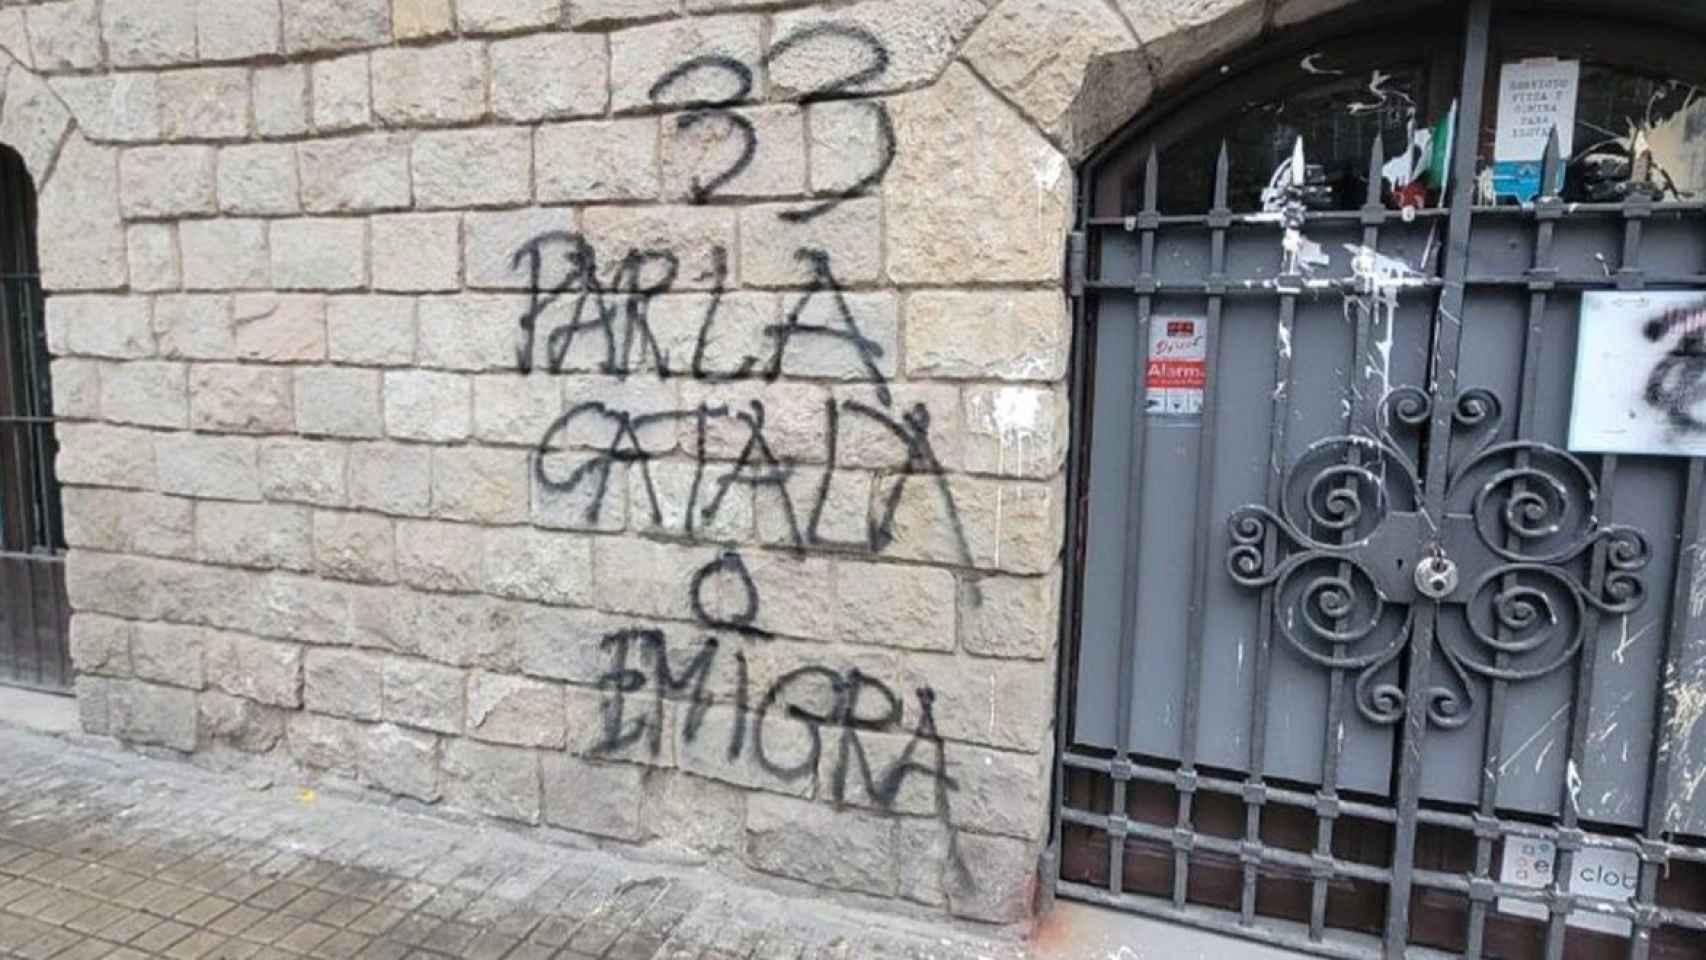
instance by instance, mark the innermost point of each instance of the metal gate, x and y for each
(1367, 661)
(34, 614)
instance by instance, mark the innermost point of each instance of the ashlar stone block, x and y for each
(313, 25)
(236, 29)
(845, 849)
(355, 174)
(950, 222)
(240, 398)
(423, 695)
(514, 710)
(548, 76)
(167, 181)
(500, 782)
(343, 99)
(422, 86)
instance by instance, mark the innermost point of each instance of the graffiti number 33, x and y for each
(716, 109)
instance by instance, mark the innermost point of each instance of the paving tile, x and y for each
(517, 925)
(414, 929)
(312, 873)
(451, 937)
(594, 938)
(411, 895)
(10, 852)
(143, 860)
(41, 898)
(343, 911)
(359, 882)
(631, 947)
(276, 895)
(448, 903)
(96, 918)
(555, 931)
(378, 919)
(15, 890)
(129, 927)
(204, 911)
(271, 928)
(169, 900)
(56, 870)
(236, 920)
(158, 938)
(67, 906)
(310, 904)
(488, 946)
(342, 945)
(114, 883)
(87, 950)
(241, 885)
(16, 932)
(236, 949)
(54, 940)
(279, 865)
(384, 950)
(196, 945)
(27, 864)
(306, 937)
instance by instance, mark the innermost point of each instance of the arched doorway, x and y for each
(34, 614)
(1388, 627)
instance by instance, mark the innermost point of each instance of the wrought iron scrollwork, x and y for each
(1525, 615)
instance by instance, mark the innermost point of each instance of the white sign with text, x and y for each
(1594, 872)
(1641, 374)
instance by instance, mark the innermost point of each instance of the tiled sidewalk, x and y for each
(112, 855)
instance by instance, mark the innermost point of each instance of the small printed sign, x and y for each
(1641, 374)
(1535, 97)
(1594, 872)
(1178, 366)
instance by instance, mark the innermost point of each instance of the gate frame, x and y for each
(1404, 813)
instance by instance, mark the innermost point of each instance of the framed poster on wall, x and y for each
(1640, 383)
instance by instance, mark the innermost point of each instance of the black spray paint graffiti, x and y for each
(619, 310)
(802, 44)
(757, 467)
(1677, 384)
(818, 702)
(613, 306)
(616, 309)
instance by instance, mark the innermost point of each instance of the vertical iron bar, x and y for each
(1219, 219)
(41, 405)
(1686, 633)
(1148, 223)
(1560, 901)
(48, 644)
(1636, 209)
(1366, 397)
(1447, 334)
(1255, 787)
(1548, 208)
(8, 655)
(1070, 625)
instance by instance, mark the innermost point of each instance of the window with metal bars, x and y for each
(34, 614)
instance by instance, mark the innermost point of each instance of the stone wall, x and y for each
(640, 418)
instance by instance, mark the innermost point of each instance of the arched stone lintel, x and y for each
(1081, 69)
(80, 236)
